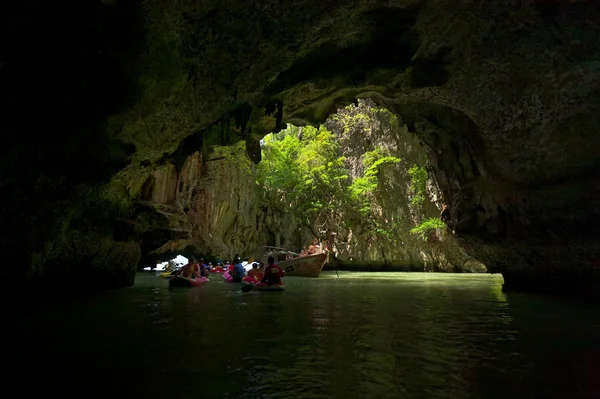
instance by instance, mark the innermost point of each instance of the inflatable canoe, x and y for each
(187, 282)
(227, 277)
(249, 280)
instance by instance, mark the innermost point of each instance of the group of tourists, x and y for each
(194, 268)
(270, 274)
(314, 248)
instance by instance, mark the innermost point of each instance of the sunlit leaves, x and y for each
(363, 188)
(418, 185)
(427, 226)
(302, 168)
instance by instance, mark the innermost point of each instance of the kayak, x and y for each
(265, 287)
(228, 279)
(165, 275)
(249, 280)
(187, 282)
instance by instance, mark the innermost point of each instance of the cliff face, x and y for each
(503, 96)
(208, 208)
(436, 249)
(378, 233)
(217, 208)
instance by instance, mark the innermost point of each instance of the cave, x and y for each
(111, 108)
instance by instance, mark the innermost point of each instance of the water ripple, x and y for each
(361, 336)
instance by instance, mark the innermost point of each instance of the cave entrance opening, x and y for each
(367, 176)
(178, 261)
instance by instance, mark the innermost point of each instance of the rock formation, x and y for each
(216, 207)
(504, 95)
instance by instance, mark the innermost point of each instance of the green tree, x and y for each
(363, 190)
(418, 187)
(303, 173)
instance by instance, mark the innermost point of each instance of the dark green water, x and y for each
(364, 335)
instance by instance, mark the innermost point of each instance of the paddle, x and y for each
(248, 288)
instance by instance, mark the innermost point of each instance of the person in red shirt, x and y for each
(252, 272)
(273, 273)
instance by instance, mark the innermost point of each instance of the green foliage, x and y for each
(350, 119)
(362, 118)
(302, 172)
(305, 176)
(426, 226)
(364, 187)
(418, 185)
(363, 191)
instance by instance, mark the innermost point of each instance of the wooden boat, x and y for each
(305, 266)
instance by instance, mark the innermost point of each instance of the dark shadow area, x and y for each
(430, 71)
(64, 68)
(388, 41)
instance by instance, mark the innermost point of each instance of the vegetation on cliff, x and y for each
(341, 177)
(303, 173)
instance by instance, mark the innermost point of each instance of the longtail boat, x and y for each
(304, 266)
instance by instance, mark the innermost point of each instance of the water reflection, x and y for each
(361, 336)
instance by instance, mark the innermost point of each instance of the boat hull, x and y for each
(305, 266)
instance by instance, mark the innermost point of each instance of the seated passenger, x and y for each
(273, 273)
(169, 267)
(188, 270)
(238, 271)
(314, 248)
(252, 272)
(260, 271)
(202, 269)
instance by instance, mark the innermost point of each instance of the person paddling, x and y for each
(238, 271)
(202, 268)
(273, 273)
(253, 273)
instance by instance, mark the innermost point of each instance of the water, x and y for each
(364, 335)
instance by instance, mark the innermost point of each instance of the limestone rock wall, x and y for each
(212, 204)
